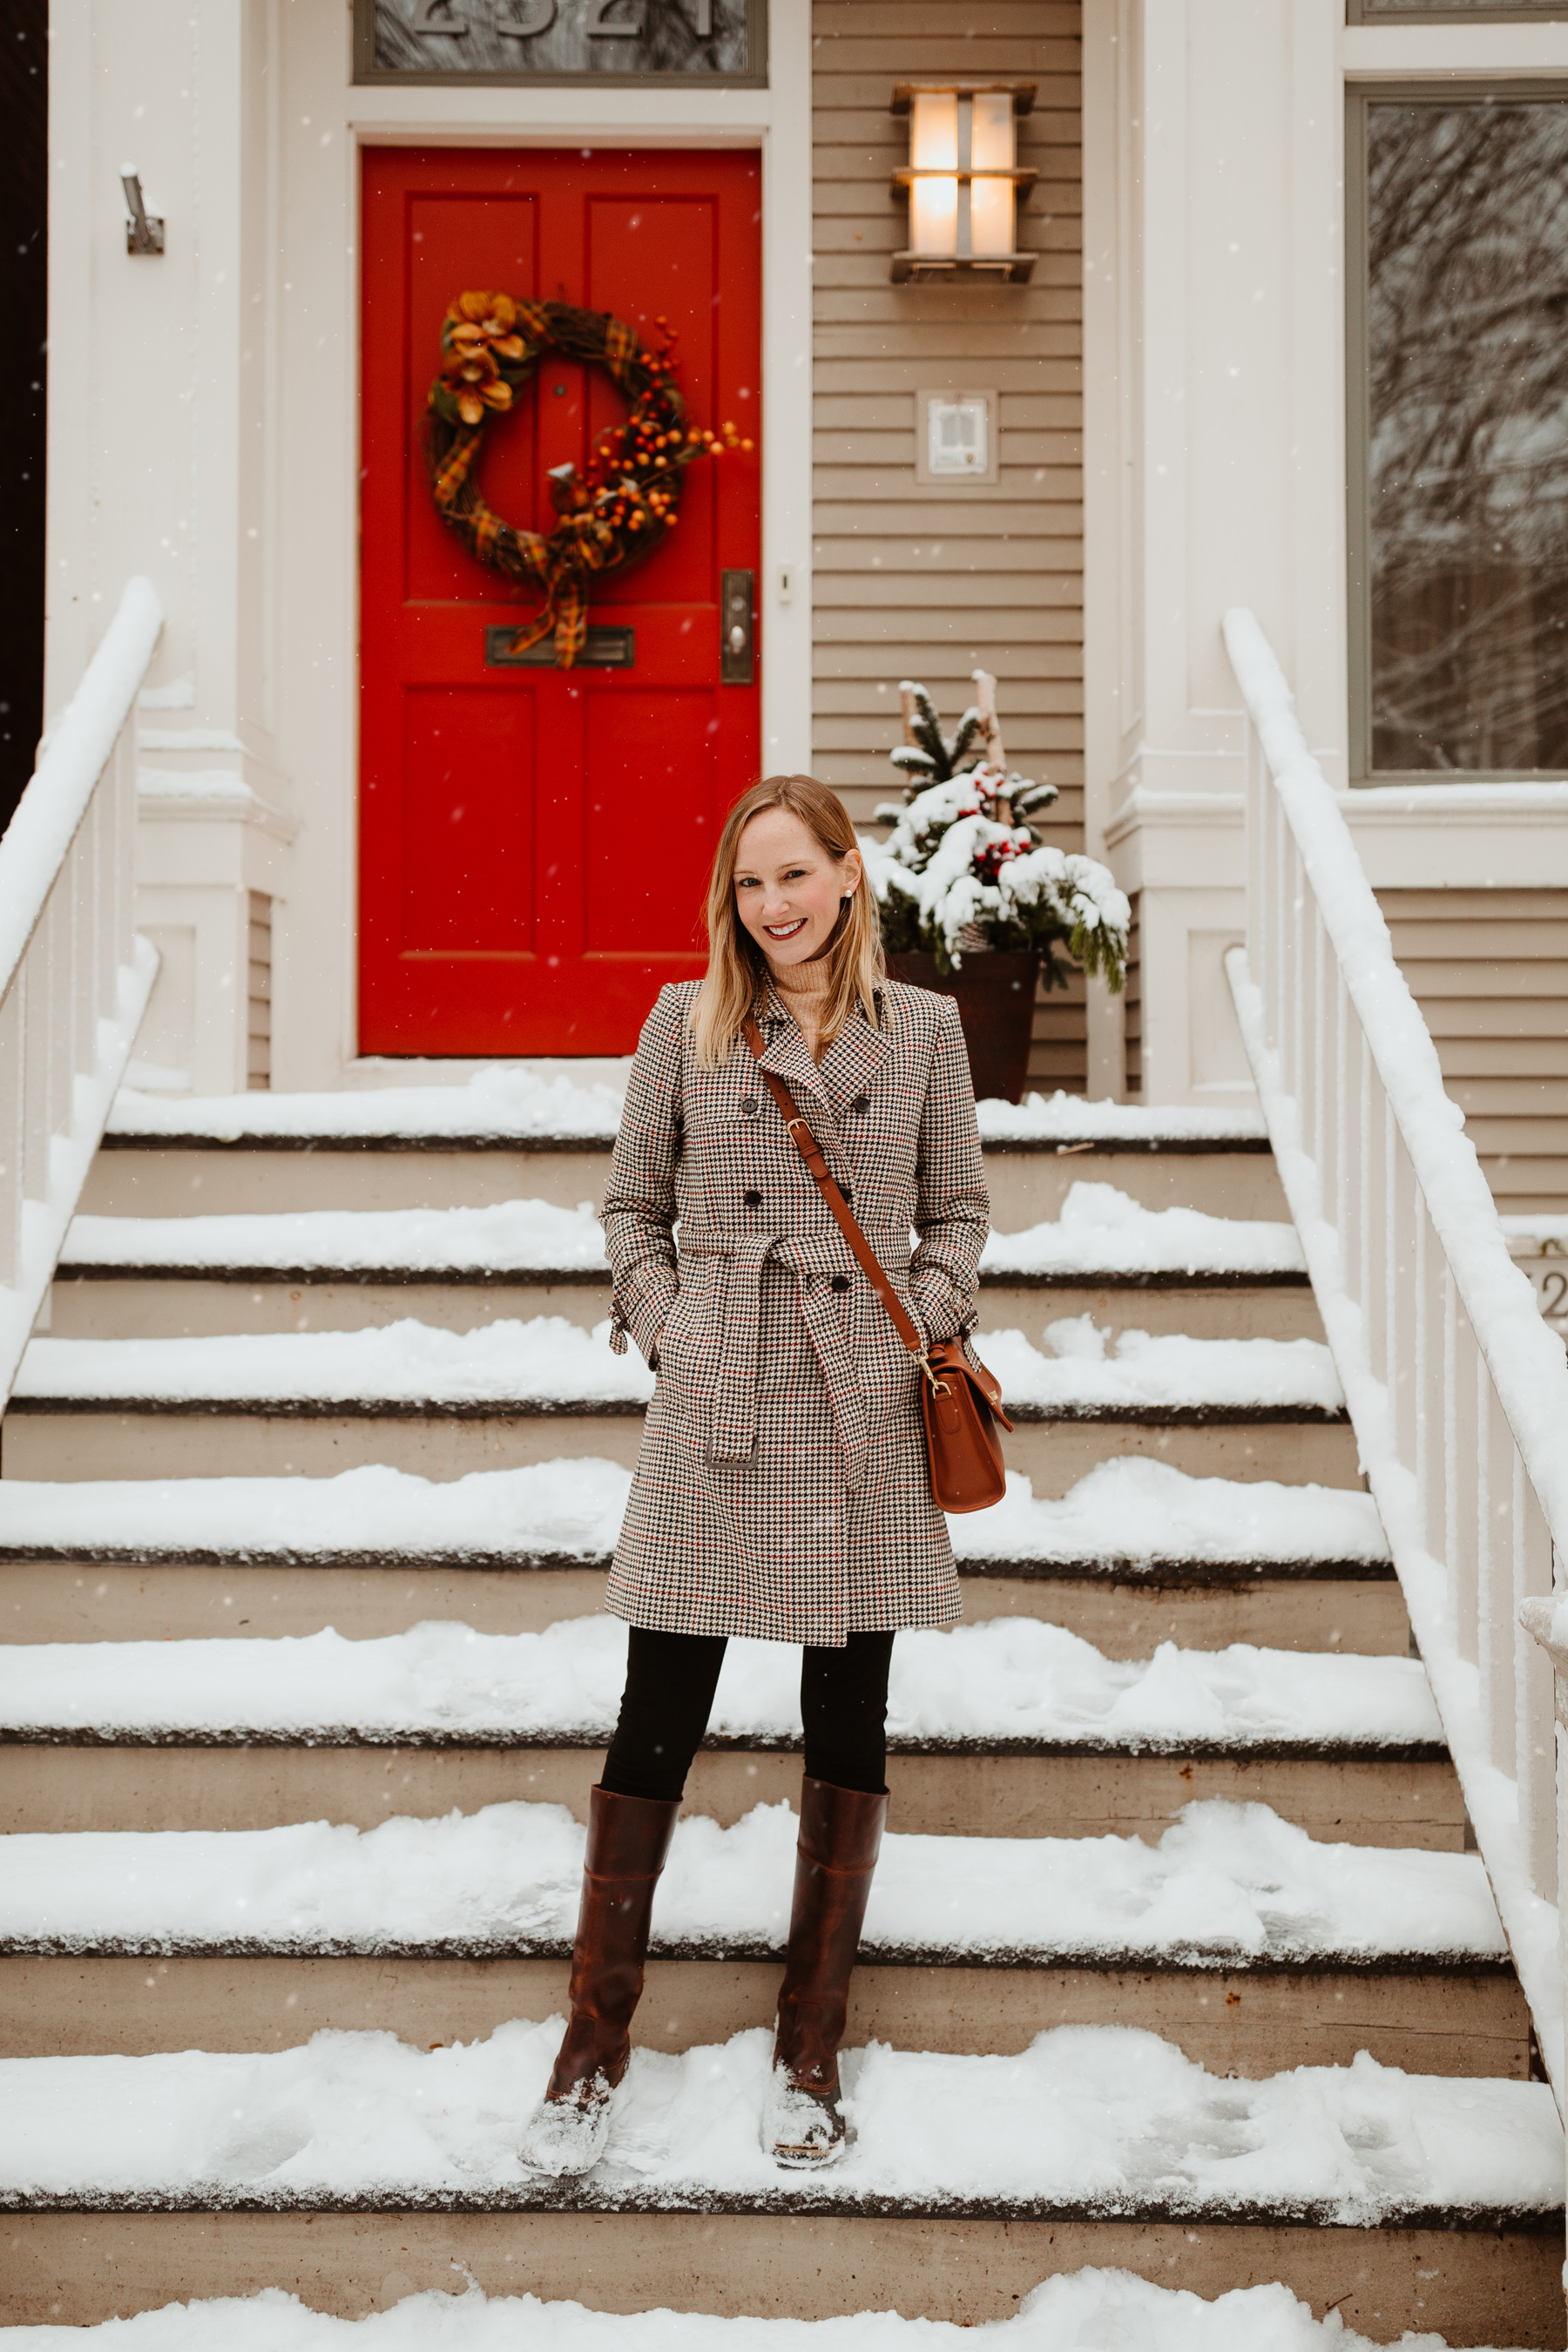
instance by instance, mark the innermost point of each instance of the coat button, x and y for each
(841, 1282)
(861, 1103)
(849, 1193)
(749, 1107)
(753, 1200)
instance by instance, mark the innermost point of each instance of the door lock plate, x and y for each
(737, 627)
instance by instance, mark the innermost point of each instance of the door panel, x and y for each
(535, 843)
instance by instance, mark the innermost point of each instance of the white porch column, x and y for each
(158, 375)
(1214, 461)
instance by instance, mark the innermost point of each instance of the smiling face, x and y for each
(788, 887)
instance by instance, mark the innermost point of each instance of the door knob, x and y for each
(737, 646)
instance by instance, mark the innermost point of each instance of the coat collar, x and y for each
(850, 1064)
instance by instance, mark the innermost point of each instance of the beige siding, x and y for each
(1133, 1001)
(259, 1059)
(910, 581)
(1489, 971)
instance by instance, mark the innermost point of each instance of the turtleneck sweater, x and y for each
(804, 988)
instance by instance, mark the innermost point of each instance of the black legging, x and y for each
(669, 1696)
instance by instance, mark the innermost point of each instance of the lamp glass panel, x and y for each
(933, 216)
(991, 216)
(992, 138)
(933, 131)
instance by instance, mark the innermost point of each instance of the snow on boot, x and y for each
(840, 1834)
(628, 1839)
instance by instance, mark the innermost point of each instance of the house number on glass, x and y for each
(559, 40)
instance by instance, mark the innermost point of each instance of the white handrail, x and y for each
(74, 977)
(1456, 1389)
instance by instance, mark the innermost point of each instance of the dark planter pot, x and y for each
(995, 998)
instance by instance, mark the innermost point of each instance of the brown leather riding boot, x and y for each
(628, 1839)
(840, 1836)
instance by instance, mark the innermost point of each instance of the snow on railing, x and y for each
(74, 977)
(1457, 1389)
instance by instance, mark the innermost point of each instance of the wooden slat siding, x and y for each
(259, 1059)
(1133, 999)
(908, 580)
(1489, 971)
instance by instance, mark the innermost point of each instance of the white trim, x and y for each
(787, 428)
(1447, 52)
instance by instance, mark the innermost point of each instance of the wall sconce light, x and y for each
(144, 230)
(963, 180)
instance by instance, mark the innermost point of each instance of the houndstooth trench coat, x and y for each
(782, 1488)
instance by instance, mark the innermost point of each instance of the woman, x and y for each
(782, 1489)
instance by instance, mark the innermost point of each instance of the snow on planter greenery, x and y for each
(963, 872)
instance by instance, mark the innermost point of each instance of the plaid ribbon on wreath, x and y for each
(615, 513)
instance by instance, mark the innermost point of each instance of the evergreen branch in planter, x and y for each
(955, 879)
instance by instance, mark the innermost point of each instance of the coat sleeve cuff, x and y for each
(641, 1316)
(943, 1312)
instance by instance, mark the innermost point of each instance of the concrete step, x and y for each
(1393, 1795)
(1133, 1556)
(236, 1156)
(1317, 1607)
(1494, 2276)
(1406, 2200)
(1457, 2018)
(43, 1438)
(94, 1303)
(446, 1930)
(444, 1403)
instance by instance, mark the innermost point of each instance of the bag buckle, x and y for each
(938, 1387)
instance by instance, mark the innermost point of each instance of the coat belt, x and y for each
(736, 1314)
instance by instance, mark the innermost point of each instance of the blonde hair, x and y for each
(737, 967)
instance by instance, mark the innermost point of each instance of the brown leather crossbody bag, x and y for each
(960, 1401)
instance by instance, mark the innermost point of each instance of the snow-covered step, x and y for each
(339, 1269)
(1012, 1684)
(1134, 1555)
(1429, 2193)
(1009, 1727)
(445, 1403)
(511, 1131)
(1086, 2306)
(1237, 1937)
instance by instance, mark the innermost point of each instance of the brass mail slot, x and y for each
(605, 649)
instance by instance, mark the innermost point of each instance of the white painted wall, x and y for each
(203, 428)
(1214, 457)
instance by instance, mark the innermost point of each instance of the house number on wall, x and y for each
(559, 40)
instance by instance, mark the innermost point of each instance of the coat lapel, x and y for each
(855, 1059)
(786, 1056)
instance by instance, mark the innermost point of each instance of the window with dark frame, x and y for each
(1448, 12)
(1458, 386)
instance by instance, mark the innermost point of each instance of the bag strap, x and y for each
(810, 1150)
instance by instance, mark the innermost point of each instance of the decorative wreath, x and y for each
(615, 513)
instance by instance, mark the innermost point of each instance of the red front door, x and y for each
(534, 843)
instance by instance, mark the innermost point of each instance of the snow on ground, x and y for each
(1226, 1881)
(545, 1359)
(514, 1236)
(1135, 1512)
(499, 1100)
(503, 1101)
(1068, 1119)
(1103, 2116)
(572, 1507)
(1080, 2311)
(548, 1358)
(1102, 1230)
(1168, 1372)
(1010, 1679)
